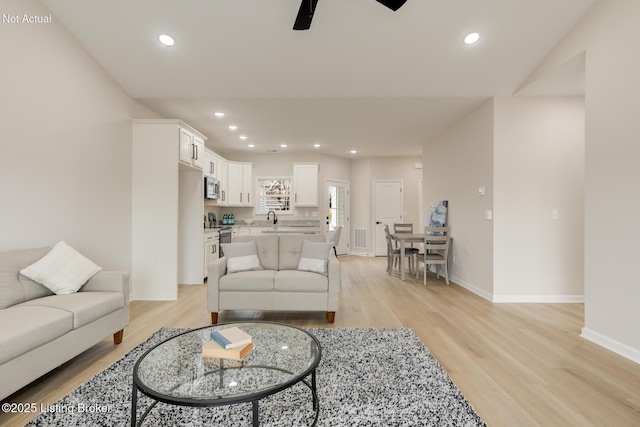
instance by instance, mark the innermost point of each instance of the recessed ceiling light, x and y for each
(233, 127)
(166, 40)
(283, 145)
(243, 137)
(219, 114)
(316, 145)
(471, 38)
(251, 145)
(353, 151)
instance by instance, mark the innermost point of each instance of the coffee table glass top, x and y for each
(176, 371)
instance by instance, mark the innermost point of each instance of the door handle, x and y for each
(378, 222)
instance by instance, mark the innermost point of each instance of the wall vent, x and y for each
(361, 238)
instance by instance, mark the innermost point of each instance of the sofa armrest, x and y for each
(108, 281)
(217, 269)
(111, 281)
(333, 273)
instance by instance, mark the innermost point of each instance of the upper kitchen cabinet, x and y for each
(247, 184)
(191, 147)
(210, 168)
(239, 184)
(305, 185)
(223, 167)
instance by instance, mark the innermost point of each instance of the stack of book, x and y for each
(229, 343)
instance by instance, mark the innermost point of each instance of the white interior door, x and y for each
(388, 208)
(337, 199)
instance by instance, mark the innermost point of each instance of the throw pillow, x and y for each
(63, 270)
(315, 256)
(241, 256)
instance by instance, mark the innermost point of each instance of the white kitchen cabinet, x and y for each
(191, 148)
(305, 184)
(243, 230)
(240, 183)
(198, 158)
(223, 166)
(211, 252)
(234, 180)
(247, 184)
(210, 168)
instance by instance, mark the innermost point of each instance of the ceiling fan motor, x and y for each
(308, 8)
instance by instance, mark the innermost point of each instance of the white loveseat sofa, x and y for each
(39, 330)
(280, 286)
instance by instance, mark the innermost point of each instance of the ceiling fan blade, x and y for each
(392, 4)
(305, 14)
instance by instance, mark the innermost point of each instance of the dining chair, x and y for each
(393, 254)
(436, 252)
(405, 228)
(335, 239)
(402, 228)
(437, 231)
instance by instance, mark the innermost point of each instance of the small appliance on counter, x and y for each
(213, 222)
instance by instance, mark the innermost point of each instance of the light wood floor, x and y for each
(518, 364)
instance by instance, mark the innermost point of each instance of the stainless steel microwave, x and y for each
(211, 188)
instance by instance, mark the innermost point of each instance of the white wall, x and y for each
(456, 164)
(65, 154)
(538, 167)
(402, 168)
(528, 154)
(607, 33)
(363, 173)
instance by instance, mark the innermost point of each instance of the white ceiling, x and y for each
(363, 77)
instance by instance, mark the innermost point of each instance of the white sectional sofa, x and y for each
(39, 330)
(279, 286)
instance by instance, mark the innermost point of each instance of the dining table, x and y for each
(403, 239)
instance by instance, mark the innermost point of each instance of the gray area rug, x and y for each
(367, 377)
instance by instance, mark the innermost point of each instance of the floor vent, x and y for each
(361, 238)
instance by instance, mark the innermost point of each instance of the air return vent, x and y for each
(361, 238)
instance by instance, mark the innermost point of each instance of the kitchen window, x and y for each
(274, 195)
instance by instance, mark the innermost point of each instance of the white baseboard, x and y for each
(471, 288)
(358, 253)
(555, 299)
(560, 299)
(623, 350)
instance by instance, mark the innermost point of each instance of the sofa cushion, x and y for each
(23, 328)
(252, 281)
(267, 248)
(63, 270)
(84, 307)
(291, 247)
(300, 281)
(315, 256)
(14, 287)
(241, 256)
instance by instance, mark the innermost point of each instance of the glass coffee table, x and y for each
(175, 371)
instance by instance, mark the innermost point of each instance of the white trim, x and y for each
(560, 299)
(498, 299)
(346, 232)
(471, 288)
(360, 253)
(617, 347)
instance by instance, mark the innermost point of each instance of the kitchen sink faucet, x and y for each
(275, 219)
